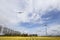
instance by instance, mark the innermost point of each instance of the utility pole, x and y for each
(46, 29)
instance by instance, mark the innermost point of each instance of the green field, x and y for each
(29, 38)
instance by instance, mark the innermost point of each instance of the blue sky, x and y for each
(35, 14)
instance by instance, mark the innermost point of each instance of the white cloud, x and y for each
(10, 9)
(54, 29)
(37, 7)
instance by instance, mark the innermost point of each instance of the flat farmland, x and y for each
(28, 38)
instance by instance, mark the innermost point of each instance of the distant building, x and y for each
(5, 30)
(1, 30)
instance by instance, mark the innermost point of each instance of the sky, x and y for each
(31, 16)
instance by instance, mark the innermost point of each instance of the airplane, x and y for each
(20, 12)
